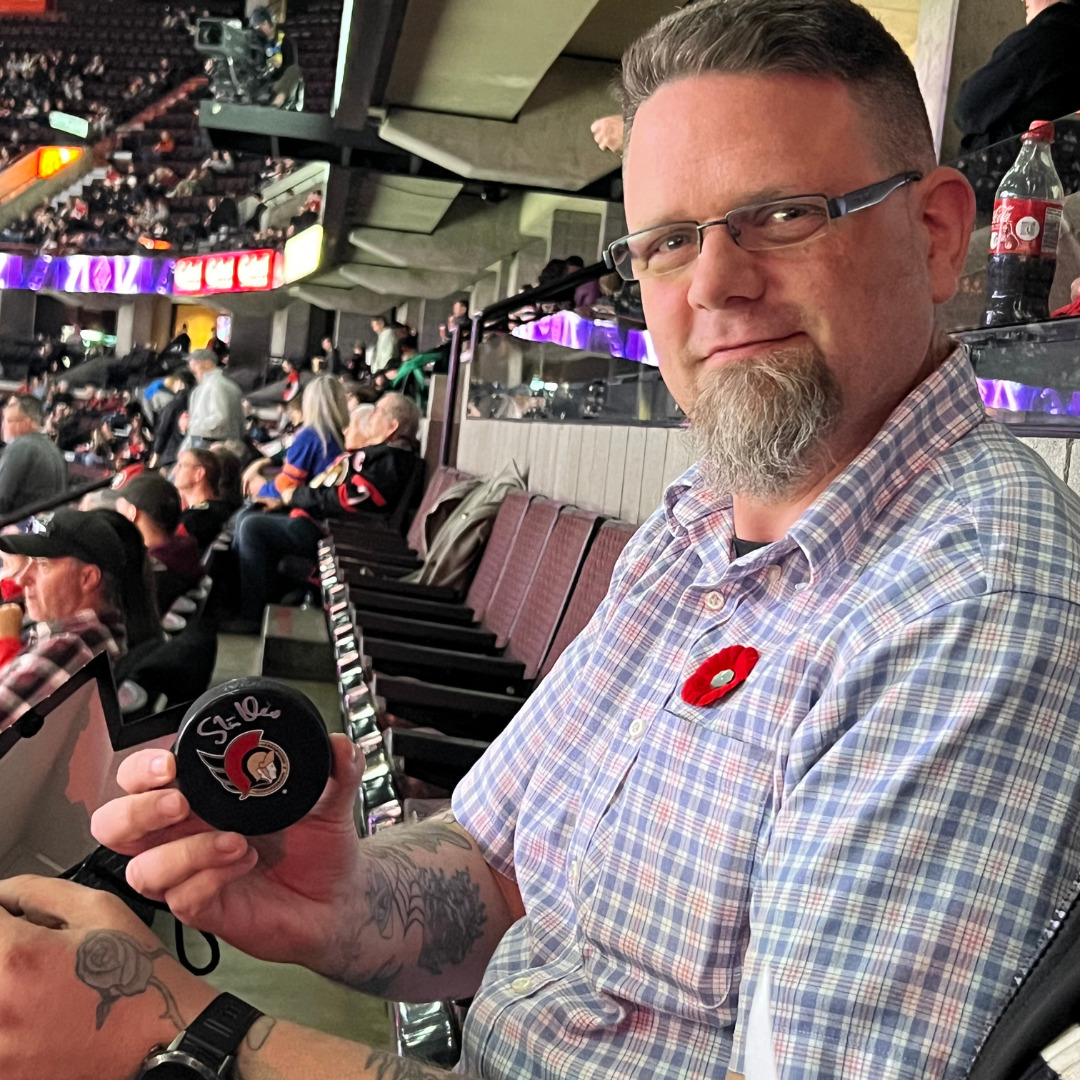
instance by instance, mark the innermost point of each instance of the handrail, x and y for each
(43, 506)
(543, 292)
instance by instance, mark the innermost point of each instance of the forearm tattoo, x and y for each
(117, 966)
(402, 894)
(390, 1067)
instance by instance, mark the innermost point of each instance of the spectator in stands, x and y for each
(138, 602)
(331, 356)
(181, 343)
(356, 363)
(197, 477)
(387, 350)
(318, 442)
(152, 504)
(31, 466)
(223, 217)
(1032, 75)
(217, 407)
(587, 294)
(410, 377)
(70, 582)
(167, 433)
(372, 482)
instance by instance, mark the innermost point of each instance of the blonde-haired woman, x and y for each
(318, 442)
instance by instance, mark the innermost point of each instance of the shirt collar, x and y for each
(936, 414)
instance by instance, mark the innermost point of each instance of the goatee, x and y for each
(761, 425)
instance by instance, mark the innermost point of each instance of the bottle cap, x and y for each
(252, 756)
(1043, 130)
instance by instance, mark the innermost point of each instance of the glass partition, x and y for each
(1029, 373)
(553, 361)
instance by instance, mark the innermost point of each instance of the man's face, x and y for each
(15, 422)
(266, 29)
(57, 588)
(188, 474)
(859, 295)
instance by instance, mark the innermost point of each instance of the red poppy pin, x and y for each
(719, 675)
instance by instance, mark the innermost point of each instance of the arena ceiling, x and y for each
(473, 104)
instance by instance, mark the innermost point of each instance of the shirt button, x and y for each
(714, 601)
(521, 986)
(637, 729)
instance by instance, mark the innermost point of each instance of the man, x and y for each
(369, 478)
(152, 505)
(32, 468)
(873, 803)
(70, 579)
(197, 477)
(386, 351)
(216, 413)
(1032, 75)
(167, 433)
(282, 60)
(179, 344)
(331, 356)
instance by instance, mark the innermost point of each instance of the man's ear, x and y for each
(948, 218)
(127, 509)
(91, 576)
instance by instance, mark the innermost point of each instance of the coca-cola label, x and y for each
(1025, 227)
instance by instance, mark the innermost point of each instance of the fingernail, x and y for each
(160, 765)
(171, 805)
(230, 844)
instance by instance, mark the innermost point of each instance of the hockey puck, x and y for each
(252, 756)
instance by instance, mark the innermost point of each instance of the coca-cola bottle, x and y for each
(1024, 234)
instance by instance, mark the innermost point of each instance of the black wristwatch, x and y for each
(207, 1049)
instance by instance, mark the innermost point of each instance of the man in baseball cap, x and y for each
(70, 578)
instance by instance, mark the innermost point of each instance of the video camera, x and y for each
(238, 72)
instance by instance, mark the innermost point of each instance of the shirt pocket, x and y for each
(664, 901)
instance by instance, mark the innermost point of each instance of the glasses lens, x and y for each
(778, 224)
(659, 251)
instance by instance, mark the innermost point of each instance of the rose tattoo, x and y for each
(117, 966)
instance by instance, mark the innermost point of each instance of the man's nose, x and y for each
(724, 273)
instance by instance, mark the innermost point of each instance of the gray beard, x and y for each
(760, 425)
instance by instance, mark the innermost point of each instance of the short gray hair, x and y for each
(404, 410)
(824, 39)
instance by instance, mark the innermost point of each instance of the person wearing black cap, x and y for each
(282, 59)
(70, 581)
(152, 504)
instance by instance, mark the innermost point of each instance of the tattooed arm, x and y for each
(426, 917)
(413, 913)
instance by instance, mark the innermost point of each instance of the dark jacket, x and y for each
(1033, 74)
(368, 481)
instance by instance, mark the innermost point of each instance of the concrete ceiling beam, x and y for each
(356, 301)
(549, 145)
(423, 284)
(473, 235)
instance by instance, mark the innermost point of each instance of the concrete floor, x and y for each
(282, 990)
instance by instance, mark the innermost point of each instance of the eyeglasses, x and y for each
(763, 227)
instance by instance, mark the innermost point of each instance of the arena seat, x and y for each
(511, 575)
(441, 759)
(516, 669)
(451, 624)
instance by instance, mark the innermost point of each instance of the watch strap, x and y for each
(216, 1033)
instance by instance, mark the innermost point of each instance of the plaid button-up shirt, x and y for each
(885, 812)
(55, 652)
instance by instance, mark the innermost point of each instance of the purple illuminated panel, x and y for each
(1020, 398)
(573, 331)
(127, 275)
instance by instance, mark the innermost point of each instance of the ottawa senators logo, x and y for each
(249, 766)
